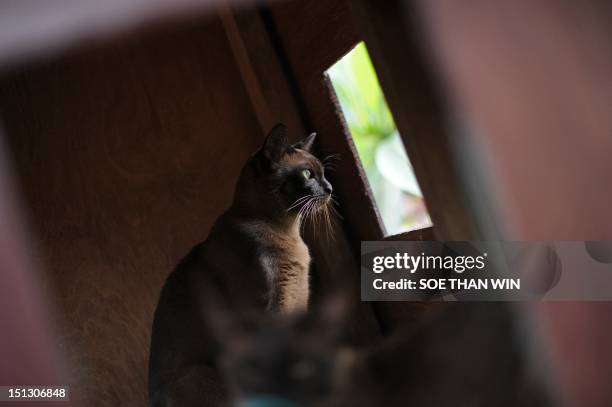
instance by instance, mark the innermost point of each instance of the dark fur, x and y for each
(289, 358)
(254, 257)
(472, 355)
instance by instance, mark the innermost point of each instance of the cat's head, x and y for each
(281, 360)
(288, 175)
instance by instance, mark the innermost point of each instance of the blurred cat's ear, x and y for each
(306, 143)
(276, 143)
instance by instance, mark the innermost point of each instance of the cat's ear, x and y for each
(306, 143)
(276, 143)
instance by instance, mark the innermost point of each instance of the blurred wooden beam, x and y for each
(27, 345)
(31, 29)
(533, 79)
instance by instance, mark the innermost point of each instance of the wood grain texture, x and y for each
(35, 30)
(126, 155)
(313, 36)
(534, 79)
(419, 109)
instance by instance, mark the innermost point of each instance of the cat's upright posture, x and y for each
(254, 257)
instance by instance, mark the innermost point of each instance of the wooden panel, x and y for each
(26, 343)
(534, 79)
(126, 155)
(550, 160)
(33, 30)
(315, 33)
(312, 36)
(419, 112)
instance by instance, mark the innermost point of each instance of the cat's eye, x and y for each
(306, 173)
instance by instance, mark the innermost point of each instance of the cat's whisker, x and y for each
(334, 209)
(335, 214)
(303, 208)
(330, 211)
(312, 215)
(303, 199)
(315, 218)
(300, 213)
(321, 212)
(305, 211)
(298, 202)
(326, 216)
(319, 216)
(325, 221)
(306, 216)
(315, 214)
(331, 227)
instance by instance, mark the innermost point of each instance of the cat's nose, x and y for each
(327, 187)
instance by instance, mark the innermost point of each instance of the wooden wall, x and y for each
(128, 152)
(533, 80)
(118, 153)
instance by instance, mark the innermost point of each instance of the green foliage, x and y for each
(362, 102)
(378, 143)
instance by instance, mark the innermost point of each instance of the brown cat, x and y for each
(254, 257)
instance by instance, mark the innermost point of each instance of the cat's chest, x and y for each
(298, 251)
(280, 252)
(287, 272)
(283, 260)
(287, 259)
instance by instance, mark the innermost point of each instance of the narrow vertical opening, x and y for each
(379, 146)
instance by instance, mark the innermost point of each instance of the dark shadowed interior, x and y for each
(124, 151)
